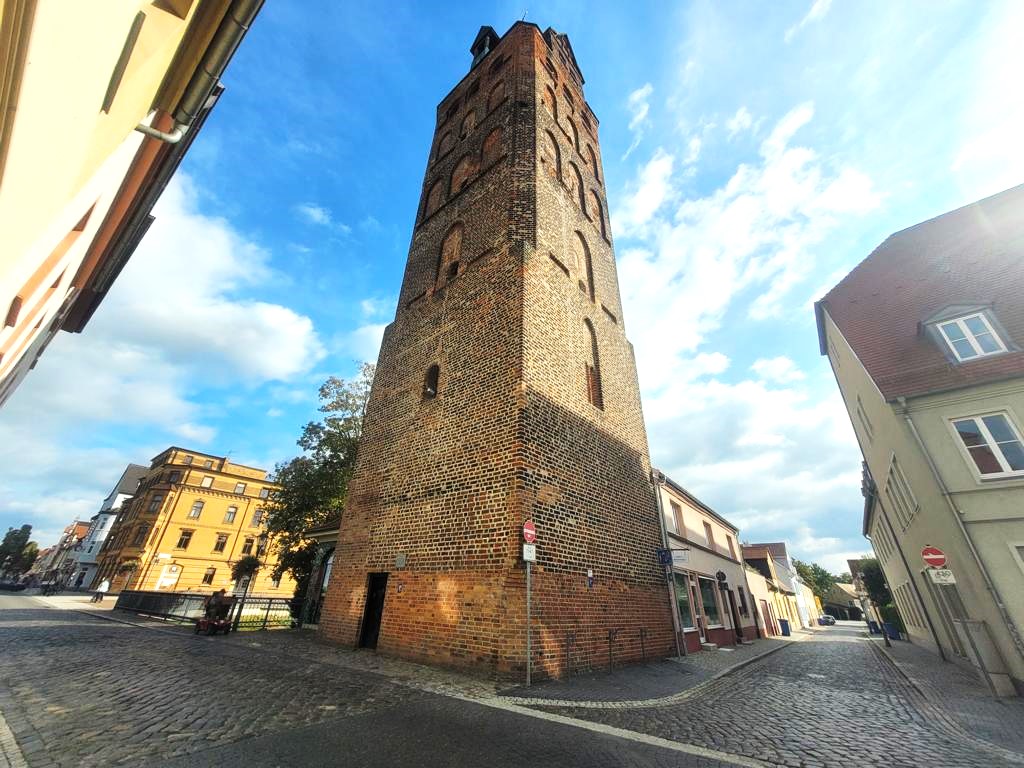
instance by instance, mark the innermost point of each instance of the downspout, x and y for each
(989, 584)
(222, 47)
(657, 478)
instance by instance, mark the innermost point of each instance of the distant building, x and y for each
(926, 341)
(772, 562)
(99, 101)
(192, 517)
(86, 552)
(843, 602)
(714, 604)
(58, 566)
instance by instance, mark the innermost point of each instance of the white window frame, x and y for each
(895, 483)
(1016, 554)
(990, 442)
(969, 336)
(207, 481)
(239, 488)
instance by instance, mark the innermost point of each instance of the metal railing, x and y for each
(257, 613)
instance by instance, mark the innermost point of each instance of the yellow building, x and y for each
(193, 516)
(99, 101)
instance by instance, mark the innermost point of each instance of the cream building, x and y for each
(713, 603)
(99, 101)
(925, 339)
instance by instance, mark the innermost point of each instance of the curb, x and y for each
(673, 698)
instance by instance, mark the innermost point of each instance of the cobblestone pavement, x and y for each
(831, 701)
(80, 690)
(961, 694)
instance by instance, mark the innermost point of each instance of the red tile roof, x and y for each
(971, 256)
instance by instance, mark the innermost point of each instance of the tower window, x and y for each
(468, 124)
(584, 266)
(447, 142)
(592, 157)
(492, 147)
(573, 133)
(575, 182)
(451, 254)
(463, 174)
(430, 382)
(433, 198)
(593, 369)
(550, 157)
(551, 103)
(595, 199)
(496, 96)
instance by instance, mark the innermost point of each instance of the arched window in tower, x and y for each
(447, 142)
(468, 124)
(550, 156)
(576, 185)
(434, 195)
(451, 254)
(431, 382)
(593, 368)
(463, 174)
(575, 134)
(584, 265)
(496, 96)
(592, 158)
(550, 102)
(492, 148)
(598, 213)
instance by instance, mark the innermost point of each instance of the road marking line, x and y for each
(621, 733)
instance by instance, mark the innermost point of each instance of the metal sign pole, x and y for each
(529, 657)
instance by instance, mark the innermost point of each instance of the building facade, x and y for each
(136, 80)
(506, 390)
(87, 551)
(714, 605)
(924, 338)
(772, 562)
(191, 519)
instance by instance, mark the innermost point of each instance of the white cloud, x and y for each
(375, 307)
(179, 323)
(692, 150)
(815, 13)
(778, 370)
(363, 343)
(649, 193)
(741, 121)
(639, 107)
(314, 214)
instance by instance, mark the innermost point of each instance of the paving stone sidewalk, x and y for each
(960, 694)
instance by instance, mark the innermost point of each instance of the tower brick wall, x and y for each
(532, 412)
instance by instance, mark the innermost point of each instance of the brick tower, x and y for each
(506, 389)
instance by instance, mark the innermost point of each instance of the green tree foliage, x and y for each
(245, 568)
(817, 578)
(17, 553)
(874, 582)
(314, 485)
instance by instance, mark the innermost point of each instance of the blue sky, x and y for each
(753, 153)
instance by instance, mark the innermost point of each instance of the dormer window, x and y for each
(968, 333)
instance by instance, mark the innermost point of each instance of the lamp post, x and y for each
(261, 548)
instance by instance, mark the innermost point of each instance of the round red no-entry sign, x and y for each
(529, 532)
(934, 557)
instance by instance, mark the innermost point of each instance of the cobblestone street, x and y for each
(81, 690)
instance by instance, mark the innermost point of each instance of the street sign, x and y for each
(529, 532)
(934, 557)
(664, 556)
(942, 576)
(530, 553)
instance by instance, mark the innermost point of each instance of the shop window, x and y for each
(709, 602)
(683, 601)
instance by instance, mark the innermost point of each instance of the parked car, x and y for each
(826, 621)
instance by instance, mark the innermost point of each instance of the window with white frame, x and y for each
(207, 482)
(901, 498)
(971, 336)
(993, 443)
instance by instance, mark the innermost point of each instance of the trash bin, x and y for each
(891, 631)
(784, 626)
(873, 627)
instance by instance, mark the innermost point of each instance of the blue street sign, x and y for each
(664, 556)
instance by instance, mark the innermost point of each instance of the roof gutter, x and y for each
(215, 60)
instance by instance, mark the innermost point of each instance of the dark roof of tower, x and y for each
(972, 257)
(129, 481)
(487, 36)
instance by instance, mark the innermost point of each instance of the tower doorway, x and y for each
(376, 590)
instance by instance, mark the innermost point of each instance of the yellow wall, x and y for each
(163, 509)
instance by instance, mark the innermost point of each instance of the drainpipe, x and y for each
(989, 584)
(657, 478)
(222, 47)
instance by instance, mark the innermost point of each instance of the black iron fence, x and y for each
(250, 613)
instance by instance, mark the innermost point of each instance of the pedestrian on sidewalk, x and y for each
(101, 590)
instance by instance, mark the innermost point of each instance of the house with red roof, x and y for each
(926, 341)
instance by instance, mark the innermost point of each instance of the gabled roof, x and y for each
(129, 481)
(686, 495)
(554, 37)
(972, 257)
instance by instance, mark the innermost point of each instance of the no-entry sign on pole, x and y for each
(934, 557)
(529, 532)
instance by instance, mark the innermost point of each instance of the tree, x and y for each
(874, 582)
(17, 553)
(314, 485)
(817, 578)
(845, 578)
(245, 568)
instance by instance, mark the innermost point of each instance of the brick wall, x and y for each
(443, 484)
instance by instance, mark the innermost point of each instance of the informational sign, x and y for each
(680, 556)
(942, 576)
(934, 557)
(664, 556)
(529, 532)
(530, 553)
